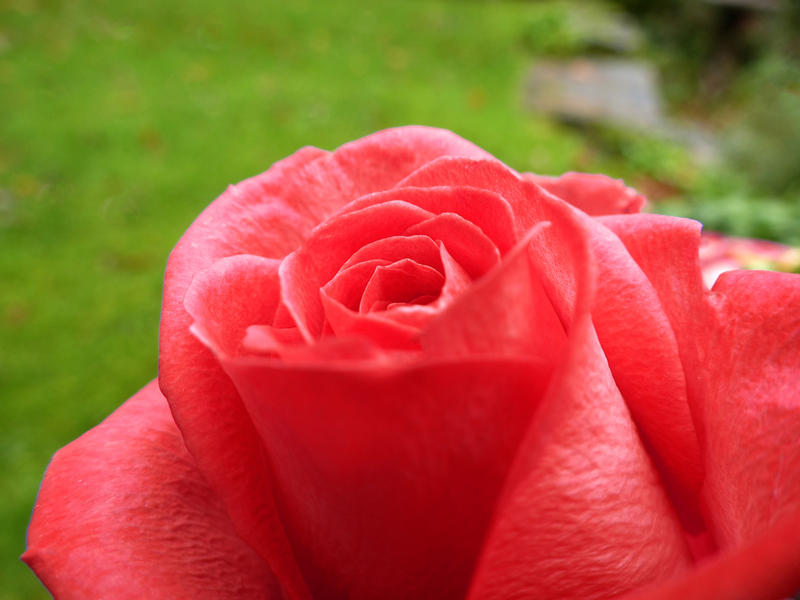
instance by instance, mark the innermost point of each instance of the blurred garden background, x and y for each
(121, 121)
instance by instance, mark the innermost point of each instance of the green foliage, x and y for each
(548, 31)
(766, 218)
(724, 200)
(643, 154)
(764, 142)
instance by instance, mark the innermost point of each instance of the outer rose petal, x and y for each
(594, 194)
(741, 352)
(586, 515)
(124, 513)
(489, 175)
(388, 476)
(751, 407)
(583, 513)
(768, 568)
(666, 249)
(642, 352)
(267, 215)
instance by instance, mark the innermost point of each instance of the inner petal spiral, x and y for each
(402, 282)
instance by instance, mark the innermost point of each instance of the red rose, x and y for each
(402, 370)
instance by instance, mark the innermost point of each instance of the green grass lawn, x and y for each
(122, 121)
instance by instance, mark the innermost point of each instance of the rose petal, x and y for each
(584, 513)
(489, 175)
(271, 213)
(262, 216)
(751, 408)
(642, 352)
(379, 328)
(379, 161)
(594, 194)
(505, 313)
(464, 241)
(456, 278)
(266, 340)
(419, 247)
(386, 487)
(402, 281)
(347, 286)
(263, 339)
(484, 208)
(665, 406)
(234, 293)
(415, 316)
(524, 198)
(666, 249)
(587, 515)
(124, 513)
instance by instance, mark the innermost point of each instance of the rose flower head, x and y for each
(404, 370)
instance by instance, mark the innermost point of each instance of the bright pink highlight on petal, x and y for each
(721, 253)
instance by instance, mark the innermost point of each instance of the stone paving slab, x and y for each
(609, 90)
